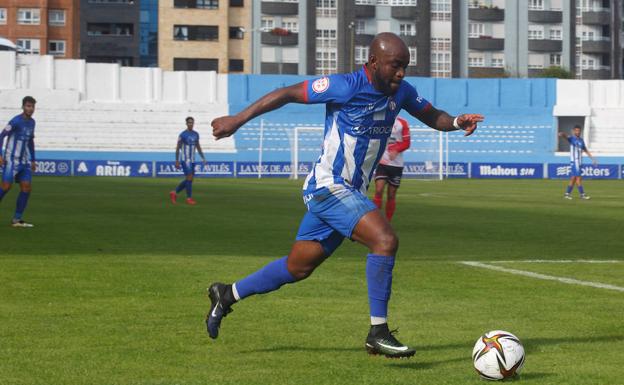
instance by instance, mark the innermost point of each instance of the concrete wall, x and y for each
(105, 83)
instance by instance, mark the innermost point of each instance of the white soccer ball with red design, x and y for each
(498, 355)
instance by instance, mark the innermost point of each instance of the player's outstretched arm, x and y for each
(227, 125)
(442, 121)
(563, 135)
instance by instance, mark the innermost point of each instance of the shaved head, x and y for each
(388, 43)
(387, 60)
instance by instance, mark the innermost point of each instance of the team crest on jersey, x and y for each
(320, 85)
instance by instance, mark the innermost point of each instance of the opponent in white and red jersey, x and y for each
(390, 167)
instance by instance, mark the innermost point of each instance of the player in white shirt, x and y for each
(390, 167)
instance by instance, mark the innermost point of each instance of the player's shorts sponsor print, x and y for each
(391, 174)
(333, 213)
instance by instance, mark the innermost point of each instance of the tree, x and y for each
(556, 72)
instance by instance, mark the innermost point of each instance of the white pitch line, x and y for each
(598, 261)
(570, 281)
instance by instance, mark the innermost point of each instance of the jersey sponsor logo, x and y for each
(320, 85)
(373, 130)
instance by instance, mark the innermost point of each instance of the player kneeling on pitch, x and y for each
(18, 160)
(361, 108)
(390, 169)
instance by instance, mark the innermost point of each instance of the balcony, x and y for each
(545, 16)
(409, 40)
(545, 45)
(596, 46)
(598, 72)
(279, 68)
(279, 8)
(486, 72)
(596, 16)
(486, 14)
(405, 12)
(486, 44)
(363, 39)
(364, 12)
(272, 39)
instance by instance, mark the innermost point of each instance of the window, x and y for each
(536, 32)
(555, 59)
(196, 32)
(536, 5)
(326, 38)
(3, 15)
(407, 29)
(237, 33)
(361, 54)
(476, 30)
(412, 52)
(441, 10)
(109, 29)
(476, 61)
(56, 47)
(28, 45)
(365, 2)
(441, 57)
(326, 8)
(555, 34)
(203, 4)
(290, 55)
(187, 64)
(290, 24)
(267, 24)
(236, 65)
(360, 27)
(28, 16)
(237, 3)
(326, 62)
(56, 17)
(498, 62)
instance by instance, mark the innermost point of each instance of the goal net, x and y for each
(425, 159)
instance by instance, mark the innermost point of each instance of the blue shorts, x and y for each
(332, 215)
(188, 168)
(16, 173)
(575, 169)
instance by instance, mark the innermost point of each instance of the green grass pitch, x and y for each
(109, 287)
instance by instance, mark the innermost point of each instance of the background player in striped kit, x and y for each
(390, 167)
(577, 147)
(19, 157)
(188, 143)
(361, 108)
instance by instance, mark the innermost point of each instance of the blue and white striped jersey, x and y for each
(189, 140)
(577, 145)
(358, 123)
(20, 149)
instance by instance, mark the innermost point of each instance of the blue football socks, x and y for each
(22, 201)
(581, 190)
(569, 189)
(189, 188)
(379, 277)
(271, 277)
(181, 186)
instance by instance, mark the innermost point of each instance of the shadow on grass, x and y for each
(530, 345)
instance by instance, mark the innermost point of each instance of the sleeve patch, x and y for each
(320, 85)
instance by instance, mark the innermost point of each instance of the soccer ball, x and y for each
(498, 355)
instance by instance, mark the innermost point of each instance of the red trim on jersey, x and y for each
(368, 76)
(305, 91)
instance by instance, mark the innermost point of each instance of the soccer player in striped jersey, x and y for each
(390, 169)
(18, 160)
(577, 147)
(188, 143)
(361, 108)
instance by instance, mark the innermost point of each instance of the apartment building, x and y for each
(205, 35)
(46, 27)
